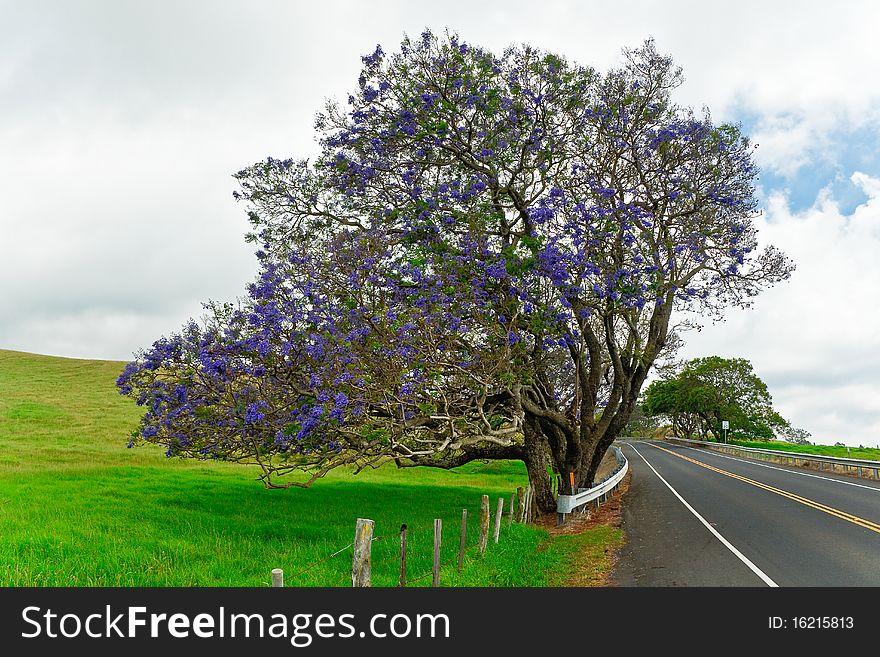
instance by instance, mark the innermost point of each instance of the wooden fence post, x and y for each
(531, 503)
(463, 540)
(402, 579)
(484, 523)
(511, 510)
(277, 577)
(498, 512)
(438, 532)
(521, 507)
(527, 505)
(361, 562)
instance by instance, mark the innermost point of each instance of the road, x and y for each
(719, 520)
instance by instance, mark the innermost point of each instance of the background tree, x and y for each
(670, 399)
(640, 424)
(482, 263)
(794, 435)
(707, 391)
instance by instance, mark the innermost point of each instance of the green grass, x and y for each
(869, 453)
(77, 508)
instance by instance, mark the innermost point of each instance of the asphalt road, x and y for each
(760, 524)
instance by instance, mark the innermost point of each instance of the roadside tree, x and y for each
(707, 391)
(482, 264)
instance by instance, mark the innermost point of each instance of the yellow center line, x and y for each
(856, 520)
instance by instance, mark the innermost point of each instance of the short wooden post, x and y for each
(511, 510)
(463, 540)
(361, 562)
(402, 579)
(521, 508)
(484, 523)
(277, 578)
(438, 532)
(498, 513)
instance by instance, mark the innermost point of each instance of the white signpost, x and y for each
(725, 425)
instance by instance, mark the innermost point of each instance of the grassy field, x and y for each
(77, 508)
(869, 453)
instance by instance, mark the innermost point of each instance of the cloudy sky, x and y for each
(121, 123)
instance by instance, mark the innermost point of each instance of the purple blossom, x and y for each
(255, 412)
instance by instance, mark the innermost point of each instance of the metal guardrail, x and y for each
(570, 503)
(849, 465)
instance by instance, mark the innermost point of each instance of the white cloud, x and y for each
(133, 220)
(814, 338)
(871, 187)
(93, 333)
(787, 143)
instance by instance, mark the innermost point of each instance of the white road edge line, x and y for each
(760, 573)
(773, 467)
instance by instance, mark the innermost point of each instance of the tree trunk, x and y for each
(596, 457)
(573, 453)
(536, 460)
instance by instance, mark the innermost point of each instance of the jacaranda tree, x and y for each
(482, 263)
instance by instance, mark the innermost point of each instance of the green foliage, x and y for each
(640, 424)
(707, 391)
